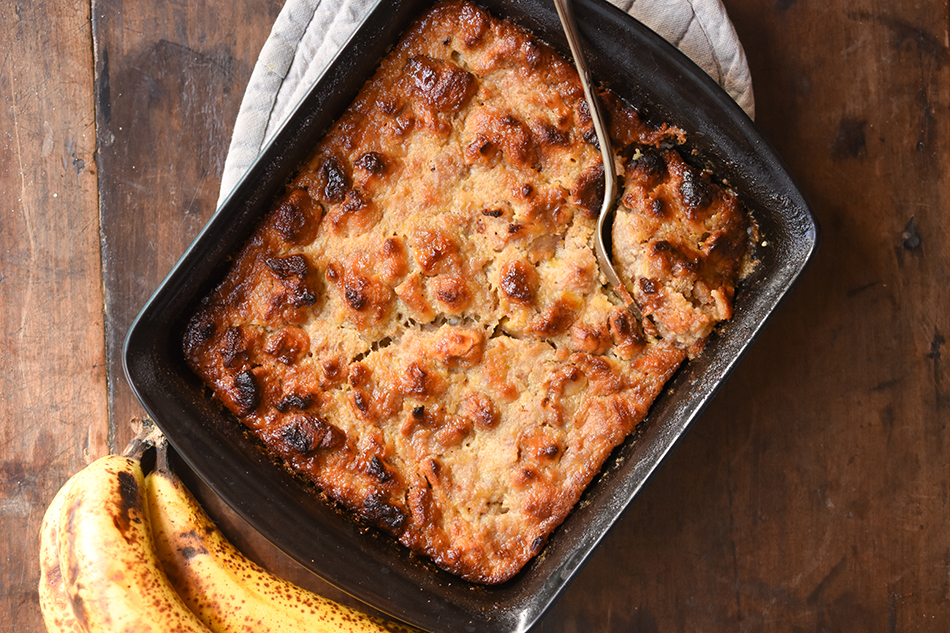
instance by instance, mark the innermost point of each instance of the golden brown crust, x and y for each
(419, 326)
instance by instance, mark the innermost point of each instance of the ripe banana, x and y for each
(230, 593)
(112, 576)
(55, 606)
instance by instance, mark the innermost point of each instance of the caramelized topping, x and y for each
(335, 180)
(293, 218)
(518, 281)
(372, 162)
(306, 433)
(442, 85)
(246, 393)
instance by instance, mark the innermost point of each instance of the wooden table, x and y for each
(812, 494)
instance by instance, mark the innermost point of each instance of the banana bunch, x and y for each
(122, 551)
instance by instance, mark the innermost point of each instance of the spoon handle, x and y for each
(565, 12)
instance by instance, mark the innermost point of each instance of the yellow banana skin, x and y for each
(230, 593)
(112, 576)
(55, 606)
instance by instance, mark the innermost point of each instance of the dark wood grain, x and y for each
(52, 370)
(169, 81)
(812, 495)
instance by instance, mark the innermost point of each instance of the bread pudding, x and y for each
(419, 326)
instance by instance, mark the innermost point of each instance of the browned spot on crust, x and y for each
(336, 182)
(354, 215)
(417, 381)
(626, 333)
(442, 85)
(307, 433)
(479, 408)
(555, 320)
(548, 135)
(293, 219)
(604, 378)
(246, 392)
(361, 401)
(372, 162)
(358, 374)
(332, 373)
(355, 293)
(200, 330)
(377, 468)
(383, 514)
(695, 190)
(293, 401)
(647, 166)
(365, 296)
(453, 432)
(490, 130)
(460, 347)
(293, 273)
(435, 252)
(287, 345)
(472, 25)
(452, 292)
(234, 348)
(589, 338)
(518, 281)
(588, 191)
(289, 266)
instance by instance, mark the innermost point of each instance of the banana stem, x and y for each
(147, 437)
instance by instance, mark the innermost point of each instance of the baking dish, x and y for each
(638, 66)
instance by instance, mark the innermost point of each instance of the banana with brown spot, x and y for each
(55, 606)
(230, 593)
(112, 575)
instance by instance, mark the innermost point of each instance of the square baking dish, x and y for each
(651, 75)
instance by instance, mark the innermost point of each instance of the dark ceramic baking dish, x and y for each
(652, 76)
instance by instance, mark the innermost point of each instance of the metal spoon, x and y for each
(566, 13)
